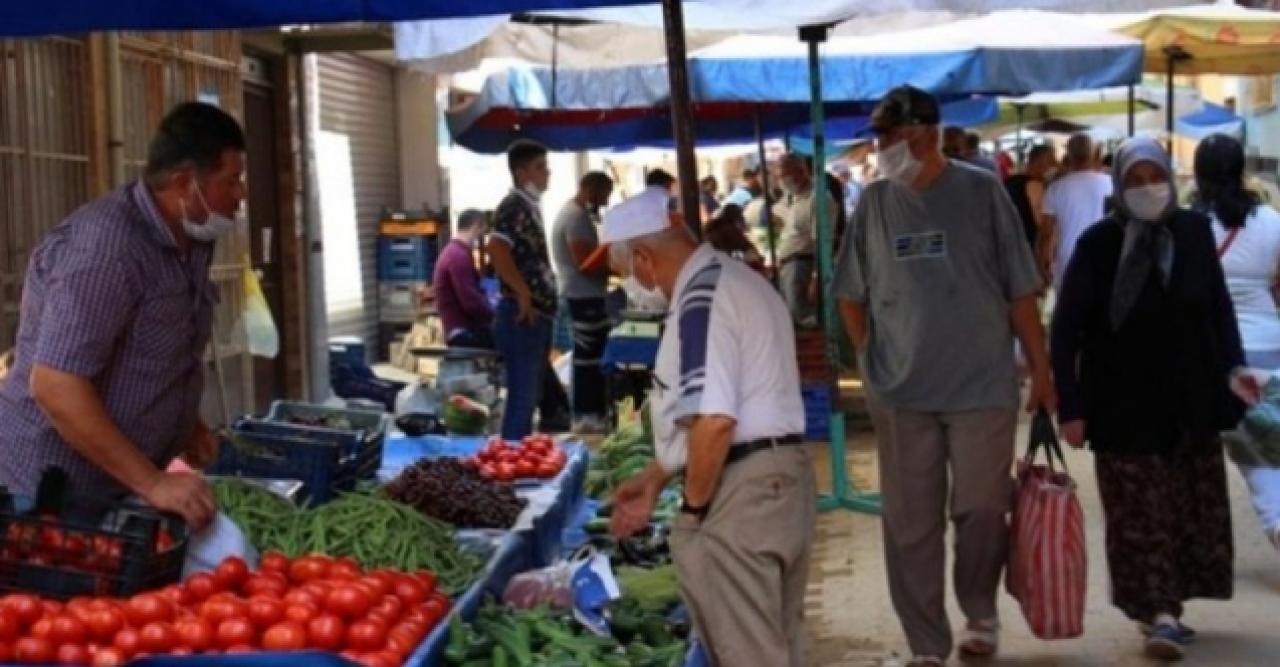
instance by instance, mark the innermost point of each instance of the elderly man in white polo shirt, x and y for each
(727, 414)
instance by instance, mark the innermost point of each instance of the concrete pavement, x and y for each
(851, 621)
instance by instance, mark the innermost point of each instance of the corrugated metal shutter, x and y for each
(357, 144)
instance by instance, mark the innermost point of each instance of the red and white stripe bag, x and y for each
(1048, 561)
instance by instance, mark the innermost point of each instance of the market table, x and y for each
(552, 505)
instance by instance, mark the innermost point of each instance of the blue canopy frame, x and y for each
(22, 18)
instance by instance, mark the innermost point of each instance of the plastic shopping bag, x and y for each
(1048, 564)
(218, 541)
(584, 583)
(259, 326)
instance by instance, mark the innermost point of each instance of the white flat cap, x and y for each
(644, 214)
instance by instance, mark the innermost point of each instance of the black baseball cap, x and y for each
(905, 105)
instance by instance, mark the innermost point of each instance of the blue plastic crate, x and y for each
(368, 428)
(378, 390)
(346, 352)
(325, 464)
(406, 257)
(817, 410)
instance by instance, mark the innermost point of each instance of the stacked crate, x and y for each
(408, 245)
(815, 382)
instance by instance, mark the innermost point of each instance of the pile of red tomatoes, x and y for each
(314, 602)
(535, 457)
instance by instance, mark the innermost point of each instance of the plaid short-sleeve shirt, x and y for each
(109, 297)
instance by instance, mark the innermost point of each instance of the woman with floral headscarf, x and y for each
(1149, 369)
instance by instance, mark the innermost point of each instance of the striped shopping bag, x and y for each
(1048, 564)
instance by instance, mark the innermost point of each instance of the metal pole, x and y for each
(1168, 103)
(843, 496)
(308, 99)
(767, 212)
(555, 61)
(115, 110)
(682, 114)
(1132, 102)
(1022, 159)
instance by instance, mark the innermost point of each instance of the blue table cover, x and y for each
(515, 552)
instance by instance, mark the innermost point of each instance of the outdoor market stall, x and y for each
(428, 580)
(1010, 53)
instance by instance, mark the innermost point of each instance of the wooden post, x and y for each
(682, 115)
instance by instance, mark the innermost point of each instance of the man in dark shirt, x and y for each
(518, 246)
(462, 304)
(116, 312)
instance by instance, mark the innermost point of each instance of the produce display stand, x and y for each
(514, 551)
(518, 550)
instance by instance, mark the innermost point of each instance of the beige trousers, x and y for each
(917, 452)
(743, 570)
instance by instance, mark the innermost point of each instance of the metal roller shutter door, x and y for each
(358, 127)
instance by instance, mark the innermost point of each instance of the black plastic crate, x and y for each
(70, 546)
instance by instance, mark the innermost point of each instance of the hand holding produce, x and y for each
(536, 457)
(451, 492)
(185, 494)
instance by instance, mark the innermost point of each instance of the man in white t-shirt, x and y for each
(727, 415)
(1072, 204)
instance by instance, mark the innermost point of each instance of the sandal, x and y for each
(926, 661)
(981, 639)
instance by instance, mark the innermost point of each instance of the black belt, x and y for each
(741, 450)
(800, 255)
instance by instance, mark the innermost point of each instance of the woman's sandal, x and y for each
(981, 641)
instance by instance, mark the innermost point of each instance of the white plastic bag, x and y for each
(259, 326)
(416, 398)
(219, 540)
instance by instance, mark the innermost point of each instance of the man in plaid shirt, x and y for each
(116, 312)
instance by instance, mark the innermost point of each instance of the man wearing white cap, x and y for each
(726, 414)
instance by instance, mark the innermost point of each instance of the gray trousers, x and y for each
(743, 570)
(795, 276)
(917, 450)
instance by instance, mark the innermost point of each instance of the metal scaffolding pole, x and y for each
(844, 495)
(682, 115)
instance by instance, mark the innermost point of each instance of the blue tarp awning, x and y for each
(23, 18)
(1010, 53)
(1212, 119)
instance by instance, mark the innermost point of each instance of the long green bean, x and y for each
(374, 530)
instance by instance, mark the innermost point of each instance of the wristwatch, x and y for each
(698, 512)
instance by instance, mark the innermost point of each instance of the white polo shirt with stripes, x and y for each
(727, 349)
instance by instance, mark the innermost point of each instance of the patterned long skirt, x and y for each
(1168, 530)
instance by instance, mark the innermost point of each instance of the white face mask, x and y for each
(213, 228)
(1148, 202)
(898, 164)
(643, 298)
(533, 190)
